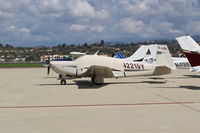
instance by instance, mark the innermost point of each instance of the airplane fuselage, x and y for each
(119, 68)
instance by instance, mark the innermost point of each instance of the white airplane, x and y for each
(192, 51)
(180, 62)
(100, 67)
(141, 55)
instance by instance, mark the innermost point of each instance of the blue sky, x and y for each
(48, 22)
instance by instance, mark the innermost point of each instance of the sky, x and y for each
(50, 22)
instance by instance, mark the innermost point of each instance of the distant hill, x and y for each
(114, 43)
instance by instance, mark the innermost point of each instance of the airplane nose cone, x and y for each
(63, 67)
(52, 63)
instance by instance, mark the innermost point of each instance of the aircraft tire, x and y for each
(92, 79)
(97, 80)
(63, 82)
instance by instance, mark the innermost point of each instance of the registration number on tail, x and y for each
(136, 66)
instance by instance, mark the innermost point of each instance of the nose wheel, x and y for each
(63, 82)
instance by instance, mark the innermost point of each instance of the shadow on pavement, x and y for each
(50, 77)
(193, 76)
(191, 87)
(86, 84)
(155, 82)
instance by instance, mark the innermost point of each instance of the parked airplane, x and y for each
(181, 63)
(100, 67)
(191, 50)
(141, 55)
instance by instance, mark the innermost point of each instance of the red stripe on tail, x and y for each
(194, 58)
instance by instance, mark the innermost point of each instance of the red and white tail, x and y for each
(188, 44)
(191, 49)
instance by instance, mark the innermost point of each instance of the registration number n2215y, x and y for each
(136, 66)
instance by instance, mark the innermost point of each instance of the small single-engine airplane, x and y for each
(192, 51)
(100, 67)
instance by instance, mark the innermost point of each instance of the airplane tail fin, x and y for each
(164, 60)
(188, 44)
(191, 49)
(139, 54)
(153, 50)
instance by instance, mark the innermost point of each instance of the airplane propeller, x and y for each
(48, 69)
(48, 65)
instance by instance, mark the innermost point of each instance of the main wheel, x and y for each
(97, 80)
(63, 82)
(92, 79)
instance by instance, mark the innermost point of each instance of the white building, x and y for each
(52, 57)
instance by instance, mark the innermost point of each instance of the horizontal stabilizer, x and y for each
(161, 70)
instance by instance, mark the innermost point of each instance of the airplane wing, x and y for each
(102, 71)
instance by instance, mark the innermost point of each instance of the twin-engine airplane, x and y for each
(100, 67)
(192, 51)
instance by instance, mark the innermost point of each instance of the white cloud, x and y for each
(78, 20)
(46, 8)
(102, 14)
(18, 31)
(40, 38)
(96, 28)
(11, 28)
(82, 8)
(6, 14)
(193, 27)
(52, 4)
(77, 27)
(24, 30)
(132, 25)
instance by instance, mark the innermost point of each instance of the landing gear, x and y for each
(63, 82)
(97, 80)
(92, 79)
(60, 76)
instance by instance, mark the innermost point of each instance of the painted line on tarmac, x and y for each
(92, 105)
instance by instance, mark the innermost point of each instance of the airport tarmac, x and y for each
(31, 102)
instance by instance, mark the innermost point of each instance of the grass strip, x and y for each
(18, 65)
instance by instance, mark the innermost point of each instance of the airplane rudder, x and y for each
(164, 57)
